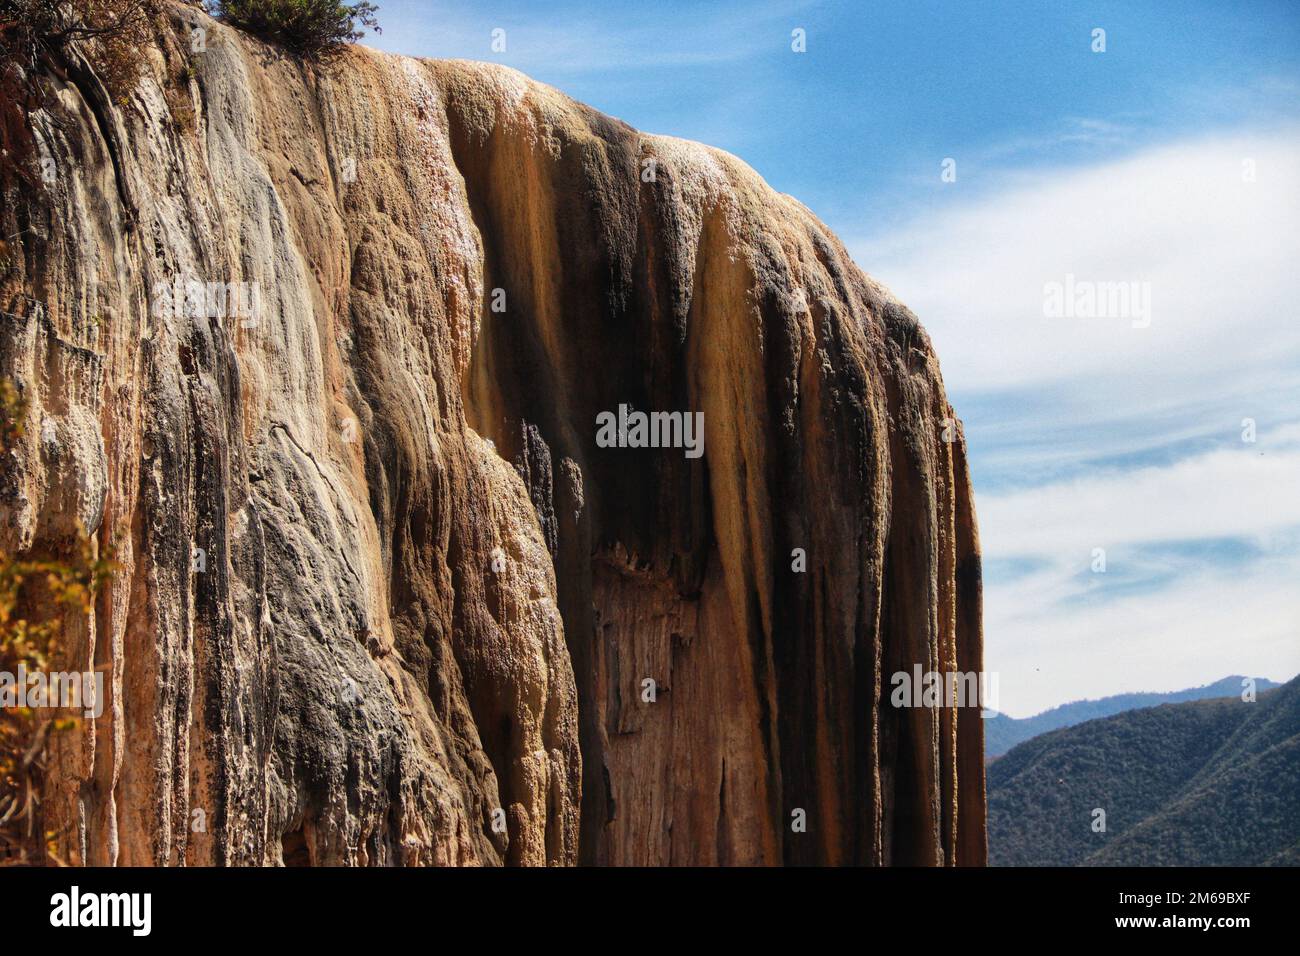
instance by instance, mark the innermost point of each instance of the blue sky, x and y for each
(1127, 165)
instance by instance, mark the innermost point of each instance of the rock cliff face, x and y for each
(382, 598)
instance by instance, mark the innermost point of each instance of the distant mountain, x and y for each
(1204, 783)
(1001, 733)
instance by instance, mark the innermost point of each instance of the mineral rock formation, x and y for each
(382, 598)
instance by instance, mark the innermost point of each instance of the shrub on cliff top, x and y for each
(305, 27)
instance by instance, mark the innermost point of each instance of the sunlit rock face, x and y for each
(383, 597)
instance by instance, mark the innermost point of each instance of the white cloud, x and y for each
(1219, 253)
(1252, 492)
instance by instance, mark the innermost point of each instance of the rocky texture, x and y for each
(376, 577)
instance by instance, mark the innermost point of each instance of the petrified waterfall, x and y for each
(320, 353)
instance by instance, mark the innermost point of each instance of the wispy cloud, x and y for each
(1083, 137)
(1249, 492)
(1217, 249)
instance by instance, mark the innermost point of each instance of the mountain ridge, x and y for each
(1002, 732)
(1212, 782)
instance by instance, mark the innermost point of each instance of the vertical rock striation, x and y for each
(378, 581)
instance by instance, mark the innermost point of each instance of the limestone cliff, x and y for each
(377, 580)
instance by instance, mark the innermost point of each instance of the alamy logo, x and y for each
(65, 690)
(632, 429)
(194, 299)
(1085, 299)
(952, 689)
(103, 909)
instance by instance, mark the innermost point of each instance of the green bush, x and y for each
(305, 27)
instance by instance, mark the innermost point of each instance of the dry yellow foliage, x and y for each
(36, 597)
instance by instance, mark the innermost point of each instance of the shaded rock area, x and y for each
(380, 591)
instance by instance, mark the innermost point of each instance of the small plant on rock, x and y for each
(311, 28)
